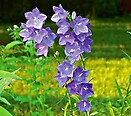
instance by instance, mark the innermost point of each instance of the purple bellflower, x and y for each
(72, 87)
(79, 25)
(86, 45)
(39, 34)
(68, 37)
(84, 90)
(80, 75)
(64, 26)
(35, 19)
(84, 105)
(26, 33)
(60, 13)
(65, 71)
(73, 51)
(41, 49)
(46, 41)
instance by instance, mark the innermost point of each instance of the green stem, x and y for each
(82, 60)
(68, 103)
(87, 114)
(124, 104)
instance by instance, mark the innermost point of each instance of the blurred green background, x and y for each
(13, 11)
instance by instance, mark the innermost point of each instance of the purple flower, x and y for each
(73, 51)
(79, 25)
(84, 90)
(68, 37)
(26, 33)
(35, 19)
(61, 80)
(39, 34)
(65, 69)
(72, 87)
(84, 105)
(86, 45)
(48, 39)
(80, 75)
(60, 13)
(41, 49)
(63, 27)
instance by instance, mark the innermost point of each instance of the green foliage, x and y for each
(6, 78)
(4, 112)
(12, 44)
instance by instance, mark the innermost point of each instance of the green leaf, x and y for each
(129, 32)
(130, 79)
(12, 44)
(22, 99)
(119, 89)
(6, 78)
(129, 93)
(4, 100)
(50, 112)
(6, 74)
(126, 54)
(4, 112)
(93, 113)
(111, 111)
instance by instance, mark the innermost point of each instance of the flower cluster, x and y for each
(33, 30)
(76, 83)
(73, 32)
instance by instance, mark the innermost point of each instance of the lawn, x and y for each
(106, 63)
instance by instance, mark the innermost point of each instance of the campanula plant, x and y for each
(74, 34)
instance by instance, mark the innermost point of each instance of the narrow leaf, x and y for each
(12, 44)
(118, 89)
(4, 100)
(93, 113)
(126, 54)
(6, 78)
(129, 32)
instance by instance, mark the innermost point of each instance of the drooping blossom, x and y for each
(35, 19)
(60, 13)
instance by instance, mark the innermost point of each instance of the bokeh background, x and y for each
(12, 11)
